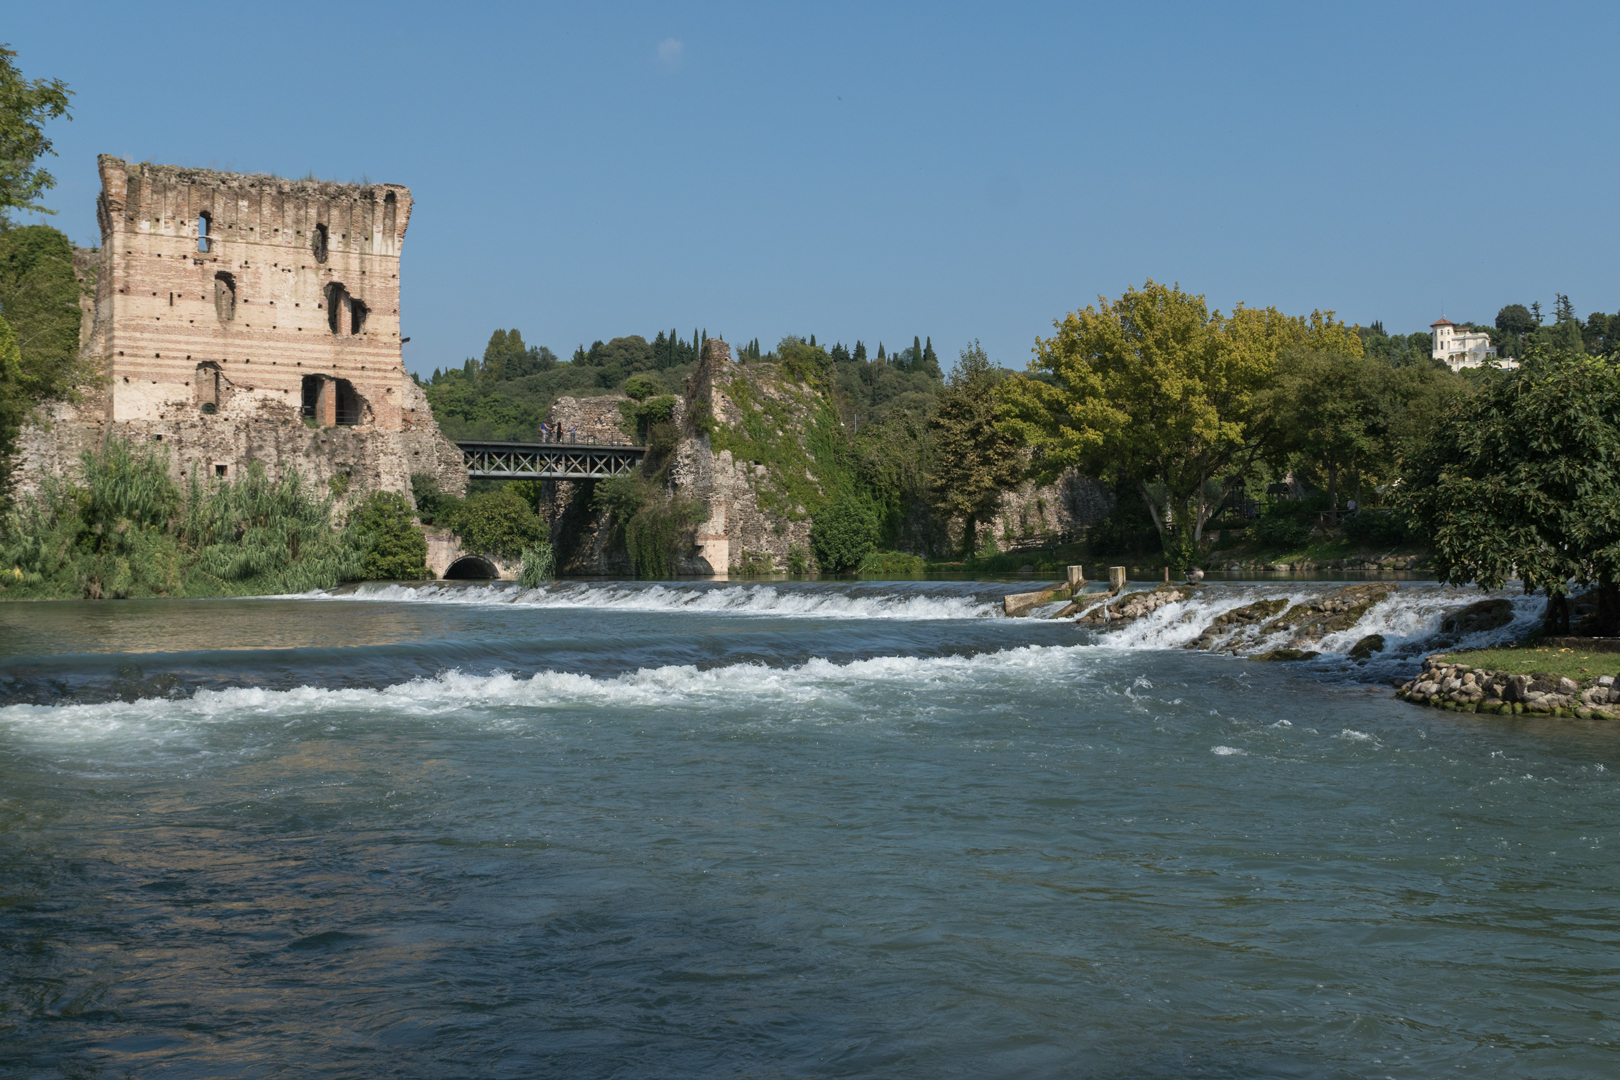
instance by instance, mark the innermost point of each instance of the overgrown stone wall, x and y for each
(208, 344)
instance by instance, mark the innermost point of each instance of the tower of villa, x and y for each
(244, 319)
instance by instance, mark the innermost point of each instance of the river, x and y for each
(772, 830)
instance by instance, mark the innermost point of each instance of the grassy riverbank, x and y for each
(1570, 663)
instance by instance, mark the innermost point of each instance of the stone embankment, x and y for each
(1462, 688)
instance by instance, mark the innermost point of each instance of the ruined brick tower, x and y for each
(251, 318)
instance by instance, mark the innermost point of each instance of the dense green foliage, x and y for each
(499, 522)
(845, 533)
(395, 548)
(539, 564)
(1522, 480)
(25, 107)
(977, 456)
(39, 303)
(654, 525)
(126, 530)
(892, 565)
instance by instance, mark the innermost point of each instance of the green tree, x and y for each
(977, 456)
(394, 547)
(25, 108)
(844, 534)
(1157, 390)
(496, 523)
(39, 299)
(1338, 413)
(1515, 319)
(1523, 480)
(930, 359)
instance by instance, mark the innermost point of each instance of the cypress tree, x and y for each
(915, 363)
(860, 350)
(930, 361)
(880, 356)
(812, 341)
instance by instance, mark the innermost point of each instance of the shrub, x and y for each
(1280, 530)
(1127, 530)
(429, 499)
(259, 536)
(892, 564)
(394, 547)
(539, 565)
(642, 387)
(655, 535)
(497, 523)
(798, 562)
(843, 533)
(1376, 528)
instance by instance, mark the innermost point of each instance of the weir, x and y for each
(550, 460)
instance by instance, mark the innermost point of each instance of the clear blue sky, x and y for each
(853, 170)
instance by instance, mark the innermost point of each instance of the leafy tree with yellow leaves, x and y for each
(1158, 390)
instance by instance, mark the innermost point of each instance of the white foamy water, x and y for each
(669, 687)
(834, 602)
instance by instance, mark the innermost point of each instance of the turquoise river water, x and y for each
(780, 830)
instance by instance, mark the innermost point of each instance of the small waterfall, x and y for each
(1307, 621)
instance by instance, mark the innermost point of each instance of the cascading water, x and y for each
(874, 829)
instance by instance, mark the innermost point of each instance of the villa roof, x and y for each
(1442, 321)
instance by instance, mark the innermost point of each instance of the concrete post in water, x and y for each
(1077, 580)
(1116, 579)
(1167, 573)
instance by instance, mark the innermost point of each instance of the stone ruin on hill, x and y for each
(241, 319)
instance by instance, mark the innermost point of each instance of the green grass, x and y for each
(1539, 660)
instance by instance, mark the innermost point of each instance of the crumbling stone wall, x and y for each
(227, 308)
(590, 419)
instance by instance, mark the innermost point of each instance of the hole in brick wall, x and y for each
(219, 470)
(357, 316)
(318, 243)
(311, 396)
(203, 223)
(225, 296)
(349, 404)
(205, 386)
(336, 298)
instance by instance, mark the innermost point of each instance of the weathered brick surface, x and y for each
(205, 343)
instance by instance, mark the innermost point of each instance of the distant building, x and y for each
(1458, 348)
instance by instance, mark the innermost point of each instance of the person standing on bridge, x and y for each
(542, 431)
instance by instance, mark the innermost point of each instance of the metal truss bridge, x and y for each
(550, 461)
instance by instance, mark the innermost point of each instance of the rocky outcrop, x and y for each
(1250, 617)
(1132, 606)
(1477, 617)
(1460, 687)
(1313, 620)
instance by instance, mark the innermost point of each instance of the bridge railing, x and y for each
(567, 460)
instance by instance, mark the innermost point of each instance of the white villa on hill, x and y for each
(1460, 348)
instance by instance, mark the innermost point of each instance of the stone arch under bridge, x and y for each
(448, 560)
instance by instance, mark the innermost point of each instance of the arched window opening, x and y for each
(337, 298)
(472, 568)
(225, 296)
(317, 243)
(205, 386)
(204, 222)
(357, 315)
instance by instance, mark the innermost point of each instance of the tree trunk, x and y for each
(1608, 608)
(1333, 494)
(1555, 622)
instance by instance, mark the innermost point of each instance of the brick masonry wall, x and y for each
(170, 336)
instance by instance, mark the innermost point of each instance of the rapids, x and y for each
(696, 829)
